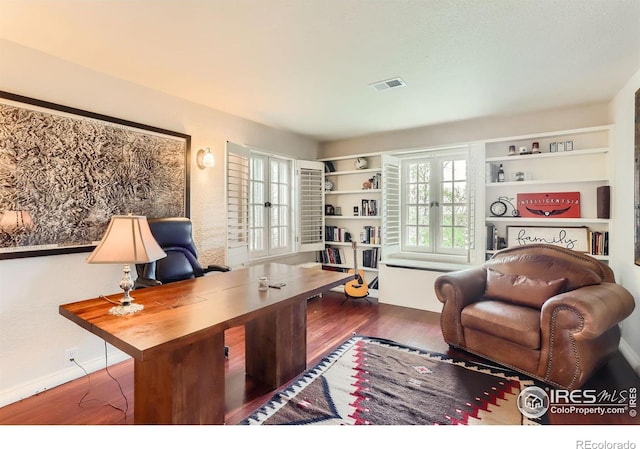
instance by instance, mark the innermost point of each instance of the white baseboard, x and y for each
(38, 386)
(630, 355)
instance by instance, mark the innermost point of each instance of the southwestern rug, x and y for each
(379, 382)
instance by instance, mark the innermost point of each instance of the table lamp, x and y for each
(128, 240)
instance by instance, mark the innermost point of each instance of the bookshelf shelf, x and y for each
(357, 217)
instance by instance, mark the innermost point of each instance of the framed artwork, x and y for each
(574, 238)
(64, 172)
(636, 187)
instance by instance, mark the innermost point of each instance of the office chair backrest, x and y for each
(174, 235)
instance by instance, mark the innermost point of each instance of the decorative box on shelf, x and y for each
(549, 205)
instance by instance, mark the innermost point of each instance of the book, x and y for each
(491, 230)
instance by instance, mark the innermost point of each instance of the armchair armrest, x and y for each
(595, 308)
(461, 287)
(455, 290)
(142, 282)
(216, 267)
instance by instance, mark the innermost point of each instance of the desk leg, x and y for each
(276, 344)
(184, 385)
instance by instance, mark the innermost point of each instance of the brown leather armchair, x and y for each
(542, 310)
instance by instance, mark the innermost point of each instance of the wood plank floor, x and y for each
(106, 397)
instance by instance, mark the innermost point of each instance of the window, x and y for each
(429, 210)
(434, 202)
(270, 222)
(274, 205)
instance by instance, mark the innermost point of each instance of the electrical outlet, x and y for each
(70, 355)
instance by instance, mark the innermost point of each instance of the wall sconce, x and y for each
(205, 158)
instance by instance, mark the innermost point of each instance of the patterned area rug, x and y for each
(380, 382)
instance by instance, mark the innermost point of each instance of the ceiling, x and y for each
(307, 65)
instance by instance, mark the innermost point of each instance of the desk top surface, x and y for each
(197, 307)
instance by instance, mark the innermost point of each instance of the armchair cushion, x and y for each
(521, 289)
(510, 322)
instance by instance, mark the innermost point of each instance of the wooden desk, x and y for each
(177, 341)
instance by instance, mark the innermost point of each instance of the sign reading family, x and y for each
(574, 238)
(549, 205)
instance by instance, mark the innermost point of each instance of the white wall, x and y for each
(627, 273)
(398, 287)
(33, 336)
(471, 130)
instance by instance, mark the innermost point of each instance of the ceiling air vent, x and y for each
(388, 84)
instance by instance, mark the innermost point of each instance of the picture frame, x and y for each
(636, 187)
(66, 171)
(573, 238)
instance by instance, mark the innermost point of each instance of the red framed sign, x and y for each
(549, 205)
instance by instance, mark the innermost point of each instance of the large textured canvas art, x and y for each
(64, 172)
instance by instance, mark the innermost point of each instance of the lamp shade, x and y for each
(15, 220)
(205, 158)
(128, 240)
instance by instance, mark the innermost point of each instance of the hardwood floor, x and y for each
(106, 397)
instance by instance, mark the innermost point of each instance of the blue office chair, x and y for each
(174, 235)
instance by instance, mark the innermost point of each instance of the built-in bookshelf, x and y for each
(353, 187)
(575, 162)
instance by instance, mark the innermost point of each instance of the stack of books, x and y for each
(370, 258)
(369, 208)
(336, 234)
(371, 235)
(599, 243)
(331, 255)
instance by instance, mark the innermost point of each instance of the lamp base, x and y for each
(126, 306)
(122, 310)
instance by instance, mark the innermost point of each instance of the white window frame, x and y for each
(423, 204)
(271, 186)
(305, 196)
(396, 219)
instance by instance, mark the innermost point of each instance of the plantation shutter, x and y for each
(310, 190)
(237, 204)
(390, 205)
